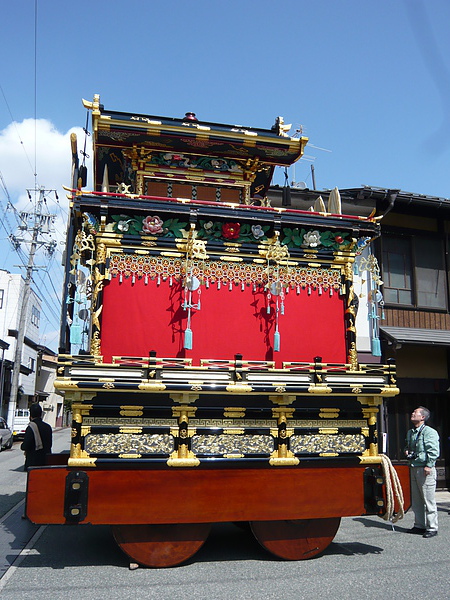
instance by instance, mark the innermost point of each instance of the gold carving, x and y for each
(390, 391)
(352, 354)
(283, 400)
(130, 430)
(329, 413)
(275, 461)
(81, 462)
(152, 386)
(95, 344)
(327, 431)
(239, 388)
(356, 390)
(130, 455)
(370, 460)
(184, 398)
(131, 411)
(319, 388)
(234, 412)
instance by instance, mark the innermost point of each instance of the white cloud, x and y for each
(22, 146)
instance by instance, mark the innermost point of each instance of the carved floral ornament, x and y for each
(229, 231)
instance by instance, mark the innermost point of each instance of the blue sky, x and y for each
(367, 81)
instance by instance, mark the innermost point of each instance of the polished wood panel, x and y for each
(187, 495)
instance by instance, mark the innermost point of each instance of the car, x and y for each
(6, 436)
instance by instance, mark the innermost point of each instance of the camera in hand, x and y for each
(411, 455)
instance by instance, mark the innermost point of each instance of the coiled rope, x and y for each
(393, 491)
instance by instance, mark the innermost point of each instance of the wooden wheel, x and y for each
(296, 540)
(161, 545)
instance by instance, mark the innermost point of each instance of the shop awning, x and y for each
(411, 335)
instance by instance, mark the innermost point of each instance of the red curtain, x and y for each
(137, 318)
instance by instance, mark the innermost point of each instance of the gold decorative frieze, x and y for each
(129, 422)
(229, 444)
(129, 444)
(320, 444)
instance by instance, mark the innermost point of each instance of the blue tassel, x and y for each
(276, 341)
(355, 268)
(188, 339)
(75, 334)
(376, 347)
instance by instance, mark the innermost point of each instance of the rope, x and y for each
(393, 491)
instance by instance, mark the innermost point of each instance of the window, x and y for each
(31, 364)
(414, 271)
(35, 316)
(1, 298)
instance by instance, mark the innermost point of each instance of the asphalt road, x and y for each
(367, 560)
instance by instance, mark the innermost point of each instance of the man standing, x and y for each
(37, 441)
(422, 451)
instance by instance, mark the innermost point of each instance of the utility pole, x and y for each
(39, 223)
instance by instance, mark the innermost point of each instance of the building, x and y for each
(407, 316)
(50, 400)
(12, 288)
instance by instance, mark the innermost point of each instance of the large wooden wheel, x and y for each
(296, 540)
(161, 545)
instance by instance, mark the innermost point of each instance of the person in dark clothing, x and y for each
(37, 441)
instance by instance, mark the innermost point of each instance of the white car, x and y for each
(6, 436)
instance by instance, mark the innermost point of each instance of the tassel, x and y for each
(75, 334)
(355, 268)
(286, 196)
(276, 341)
(188, 339)
(376, 347)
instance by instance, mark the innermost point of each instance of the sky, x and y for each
(367, 81)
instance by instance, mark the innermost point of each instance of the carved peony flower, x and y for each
(312, 238)
(152, 225)
(257, 231)
(231, 231)
(123, 225)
